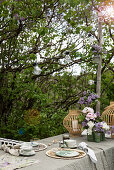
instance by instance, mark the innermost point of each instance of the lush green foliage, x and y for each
(58, 32)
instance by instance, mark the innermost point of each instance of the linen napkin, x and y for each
(84, 132)
(89, 151)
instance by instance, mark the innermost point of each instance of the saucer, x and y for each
(73, 147)
(28, 153)
(34, 144)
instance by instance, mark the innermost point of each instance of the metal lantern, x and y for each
(37, 70)
(108, 116)
(70, 122)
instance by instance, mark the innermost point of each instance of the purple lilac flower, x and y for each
(98, 124)
(89, 100)
(93, 96)
(22, 18)
(102, 130)
(96, 96)
(81, 101)
(84, 93)
(84, 123)
(98, 127)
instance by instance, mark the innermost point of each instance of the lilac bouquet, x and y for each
(88, 119)
(87, 98)
(92, 121)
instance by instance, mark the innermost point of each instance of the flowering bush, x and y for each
(87, 98)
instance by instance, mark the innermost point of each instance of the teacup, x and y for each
(26, 152)
(70, 143)
(26, 149)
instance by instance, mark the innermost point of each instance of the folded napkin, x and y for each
(89, 151)
(84, 132)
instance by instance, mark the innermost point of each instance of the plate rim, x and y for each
(76, 153)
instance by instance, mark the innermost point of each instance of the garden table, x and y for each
(104, 152)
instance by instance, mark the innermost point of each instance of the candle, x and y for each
(74, 125)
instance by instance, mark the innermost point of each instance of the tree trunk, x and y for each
(98, 87)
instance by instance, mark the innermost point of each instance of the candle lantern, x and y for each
(70, 122)
(108, 117)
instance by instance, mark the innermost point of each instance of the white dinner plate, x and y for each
(65, 153)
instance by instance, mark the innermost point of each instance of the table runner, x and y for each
(9, 162)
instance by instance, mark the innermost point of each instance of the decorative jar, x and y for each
(90, 138)
(97, 137)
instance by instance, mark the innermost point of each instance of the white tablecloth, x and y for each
(104, 152)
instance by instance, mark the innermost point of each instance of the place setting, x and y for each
(67, 149)
(67, 142)
(26, 149)
(30, 148)
(21, 148)
(38, 146)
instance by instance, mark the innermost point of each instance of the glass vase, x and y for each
(90, 138)
(97, 137)
(102, 136)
